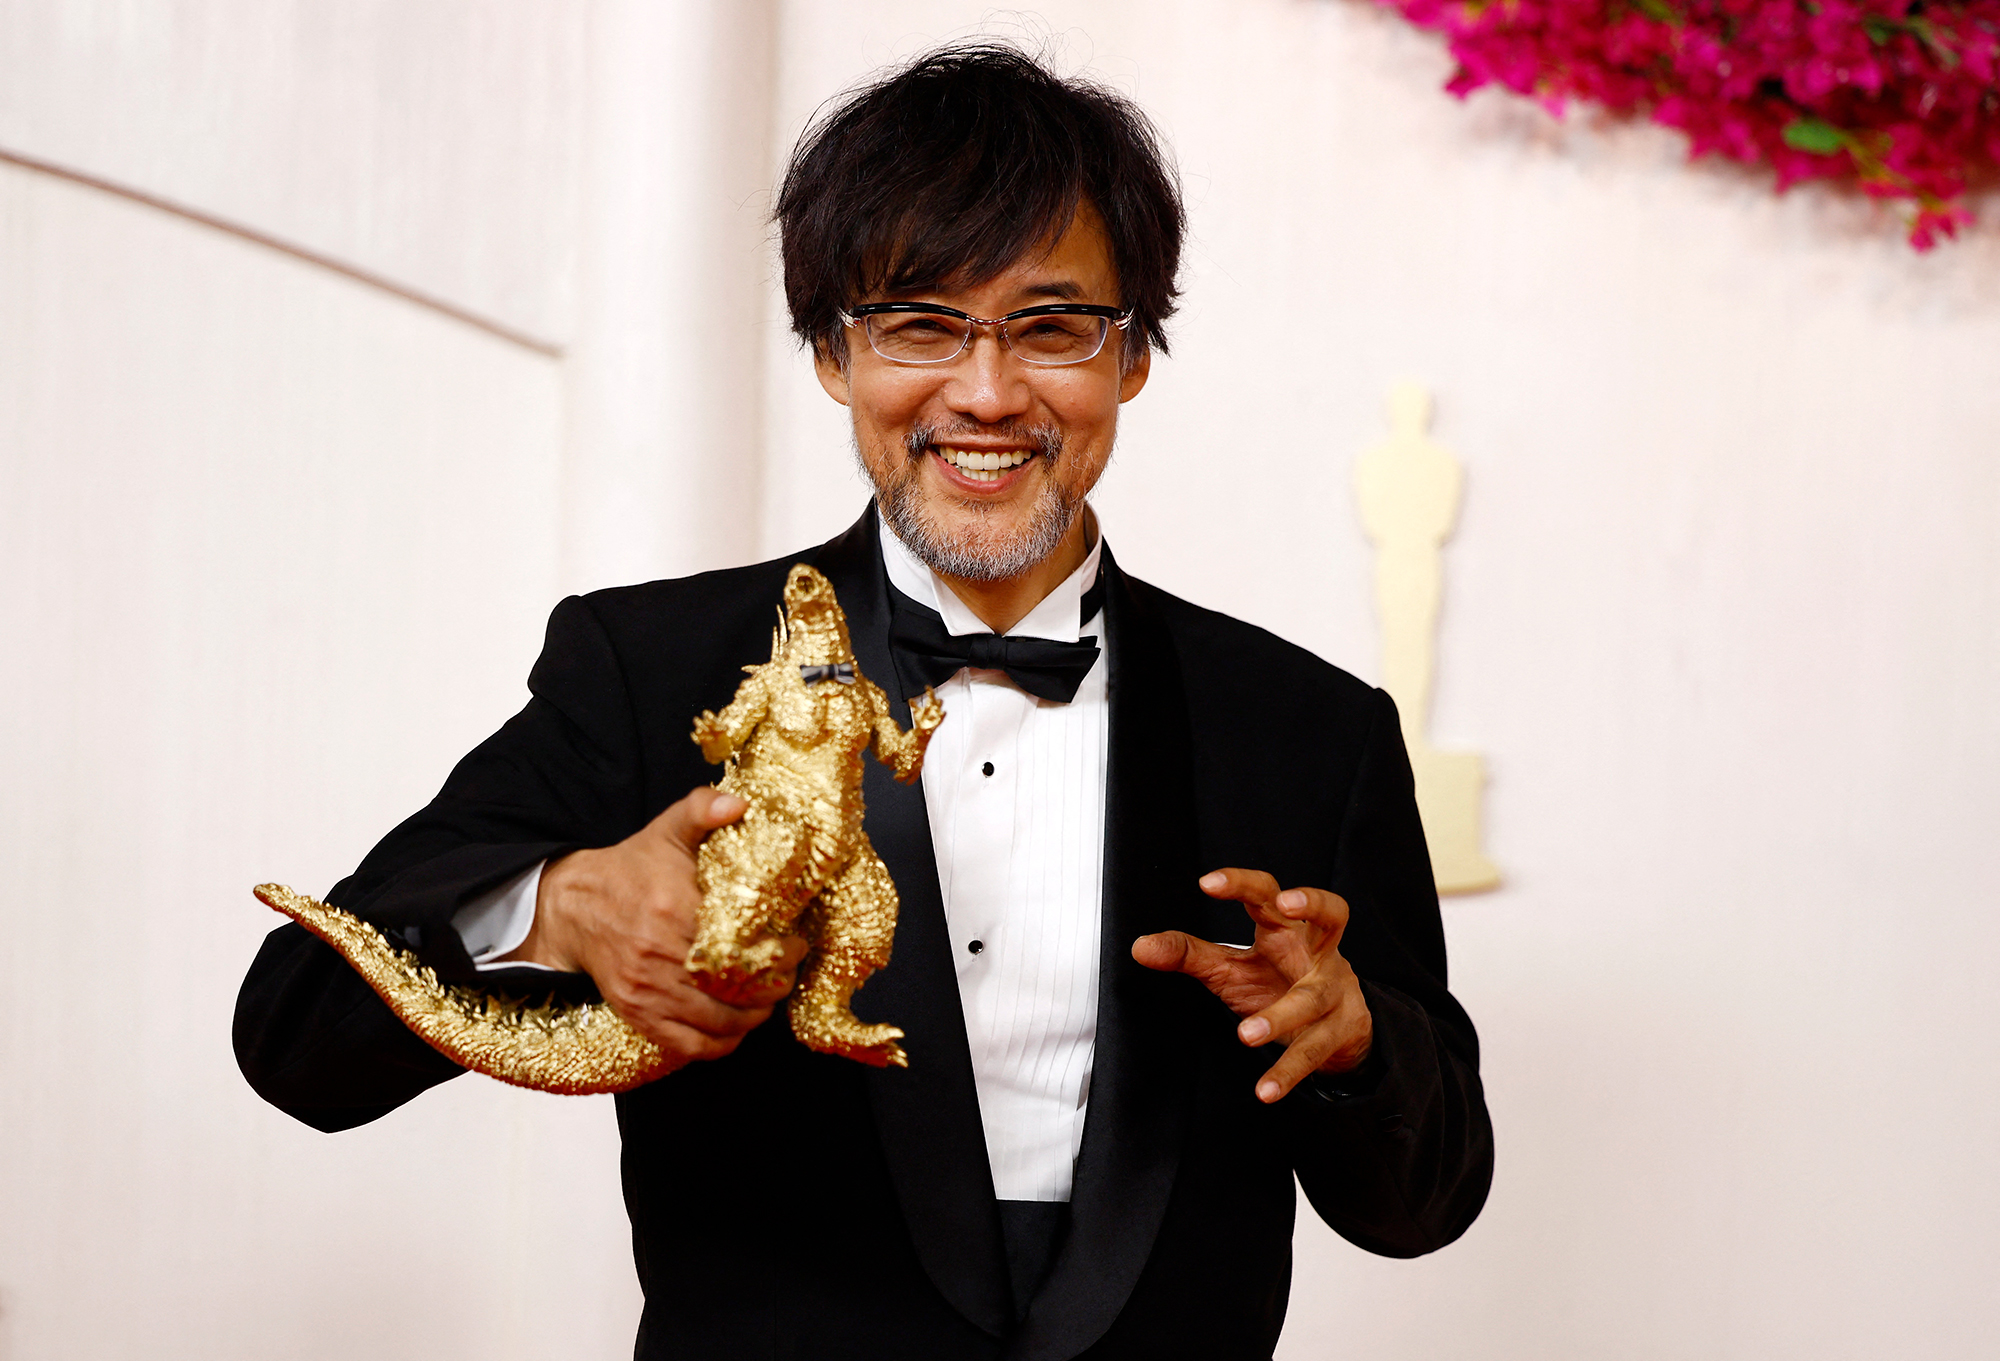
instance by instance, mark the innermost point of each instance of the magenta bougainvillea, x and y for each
(1900, 98)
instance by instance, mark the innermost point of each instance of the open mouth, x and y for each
(982, 465)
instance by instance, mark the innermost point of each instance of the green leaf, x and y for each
(1815, 135)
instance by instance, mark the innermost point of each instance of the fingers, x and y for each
(628, 916)
(1256, 890)
(1322, 1019)
(684, 1044)
(1261, 897)
(703, 810)
(661, 1005)
(1337, 1038)
(1178, 952)
(1306, 1002)
(1249, 887)
(785, 977)
(1314, 907)
(1327, 988)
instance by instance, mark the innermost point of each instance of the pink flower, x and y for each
(1895, 100)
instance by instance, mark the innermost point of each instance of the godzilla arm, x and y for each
(903, 752)
(723, 735)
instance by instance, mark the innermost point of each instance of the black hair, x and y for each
(950, 169)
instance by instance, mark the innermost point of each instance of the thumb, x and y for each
(703, 810)
(1168, 951)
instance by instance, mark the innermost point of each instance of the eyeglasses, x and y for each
(931, 333)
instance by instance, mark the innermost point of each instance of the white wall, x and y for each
(432, 142)
(275, 548)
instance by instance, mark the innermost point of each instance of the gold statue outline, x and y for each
(1409, 490)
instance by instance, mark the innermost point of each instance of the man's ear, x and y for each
(1134, 377)
(832, 373)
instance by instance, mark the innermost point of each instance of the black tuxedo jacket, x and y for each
(791, 1204)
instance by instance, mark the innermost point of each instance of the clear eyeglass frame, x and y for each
(1108, 318)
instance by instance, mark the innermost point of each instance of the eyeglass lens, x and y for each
(933, 337)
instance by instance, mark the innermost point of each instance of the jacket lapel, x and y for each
(1149, 1036)
(928, 1114)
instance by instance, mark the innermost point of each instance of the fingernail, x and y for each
(1267, 1091)
(1254, 1029)
(729, 803)
(1291, 899)
(1215, 880)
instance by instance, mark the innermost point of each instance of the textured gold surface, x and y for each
(797, 862)
(572, 1049)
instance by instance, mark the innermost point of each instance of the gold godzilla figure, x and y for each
(794, 738)
(575, 1050)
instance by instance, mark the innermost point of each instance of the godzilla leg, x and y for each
(751, 876)
(854, 922)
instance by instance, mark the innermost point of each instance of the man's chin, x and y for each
(976, 540)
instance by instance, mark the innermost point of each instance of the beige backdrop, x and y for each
(276, 544)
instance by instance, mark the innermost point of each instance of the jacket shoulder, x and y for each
(669, 647)
(626, 609)
(1216, 648)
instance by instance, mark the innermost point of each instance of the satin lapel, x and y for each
(928, 1114)
(1148, 1034)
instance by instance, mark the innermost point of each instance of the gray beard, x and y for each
(975, 553)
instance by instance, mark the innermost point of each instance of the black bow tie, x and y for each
(928, 655)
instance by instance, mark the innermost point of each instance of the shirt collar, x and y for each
(1055, 617)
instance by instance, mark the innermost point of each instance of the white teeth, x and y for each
(979, 466)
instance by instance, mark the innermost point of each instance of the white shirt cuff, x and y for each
(494, 923)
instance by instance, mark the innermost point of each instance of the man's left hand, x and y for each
(1291, 985)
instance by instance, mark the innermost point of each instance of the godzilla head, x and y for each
(815, 628)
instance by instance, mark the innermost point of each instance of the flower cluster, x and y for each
(1898, 97)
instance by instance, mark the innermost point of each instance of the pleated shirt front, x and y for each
(1015, 789)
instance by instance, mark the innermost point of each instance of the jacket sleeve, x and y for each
(1398, 1157)
(311, 1037)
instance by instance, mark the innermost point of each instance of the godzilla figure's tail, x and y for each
(574, 1050)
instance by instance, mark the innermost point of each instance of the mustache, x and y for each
(1046, 440)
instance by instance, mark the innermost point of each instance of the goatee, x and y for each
(979, 551)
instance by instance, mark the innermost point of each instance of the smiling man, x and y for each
(1093, 1149)
(984, 413)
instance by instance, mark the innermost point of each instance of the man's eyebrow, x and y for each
(1055, 290)
(1062, 290)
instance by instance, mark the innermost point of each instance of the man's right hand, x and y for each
(625, 915)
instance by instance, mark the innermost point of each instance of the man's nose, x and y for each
(986, 382)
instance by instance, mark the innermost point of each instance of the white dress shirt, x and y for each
(1015, 790)
(1014, 787)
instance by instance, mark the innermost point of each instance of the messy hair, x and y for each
(952, 168)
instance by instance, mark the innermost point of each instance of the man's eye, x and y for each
(1058, 330)
(915, 327)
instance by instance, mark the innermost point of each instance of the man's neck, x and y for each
(1002, 604)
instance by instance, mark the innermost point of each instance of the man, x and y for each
(1088, 1153)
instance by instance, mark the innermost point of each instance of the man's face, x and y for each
(916, 427)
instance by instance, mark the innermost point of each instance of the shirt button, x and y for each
(986, 769)
(975, 946)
